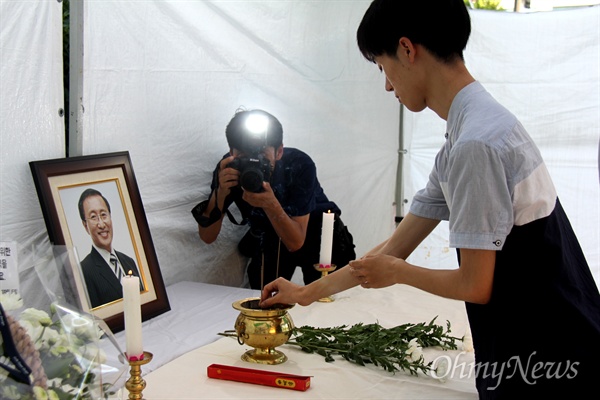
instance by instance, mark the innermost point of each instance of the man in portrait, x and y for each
(103, 267)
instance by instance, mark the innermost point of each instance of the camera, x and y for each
(248, 132)
(253, 171)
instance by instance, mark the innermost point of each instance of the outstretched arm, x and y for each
(409, 233)
(282, 291)
(471, 282)
(385, 266)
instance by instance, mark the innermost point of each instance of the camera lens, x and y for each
(251, 179)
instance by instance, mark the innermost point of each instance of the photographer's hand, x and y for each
(265, 199)
(228, 178)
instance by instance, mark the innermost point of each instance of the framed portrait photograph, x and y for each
(92, 204)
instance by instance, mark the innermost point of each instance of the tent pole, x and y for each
(400, 201)
(75, 145)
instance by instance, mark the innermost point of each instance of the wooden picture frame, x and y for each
(60, 185)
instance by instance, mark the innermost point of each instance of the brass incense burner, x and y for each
(263, 329)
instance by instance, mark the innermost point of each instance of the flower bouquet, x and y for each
(50, 354)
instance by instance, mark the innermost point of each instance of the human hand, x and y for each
(376, 271)
(280, 291)
(265, 199)
(228, 177)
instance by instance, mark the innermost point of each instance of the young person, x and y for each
(532, 303)
(280, 197)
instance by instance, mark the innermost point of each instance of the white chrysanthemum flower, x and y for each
(87, 333)
(11, 301)
(34, 332)
(412, 345)
(58, 350)
(441, 369)
(467, 342)
(84, 328)
(93, 354)
(417, 354)
(52, 337)
(43, 338)
(40, 393)
(9, 392)
(52, 395)
(36, 317)
(415, 351)
(64, 337)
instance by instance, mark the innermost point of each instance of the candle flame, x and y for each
(130, 273)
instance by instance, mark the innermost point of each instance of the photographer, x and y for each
(279, 197)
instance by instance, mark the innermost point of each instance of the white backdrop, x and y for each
(163, 78)
(31, 127)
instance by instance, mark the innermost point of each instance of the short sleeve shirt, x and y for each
(488, 176)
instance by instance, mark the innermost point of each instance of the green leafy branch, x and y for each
(393, 349)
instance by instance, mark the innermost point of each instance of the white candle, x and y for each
(133, 317)
(326, 239)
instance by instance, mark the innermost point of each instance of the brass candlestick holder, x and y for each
(325, 269)
(135, 384)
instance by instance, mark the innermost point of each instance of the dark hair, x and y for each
(89, 193)
(238, 136)
(441, 26)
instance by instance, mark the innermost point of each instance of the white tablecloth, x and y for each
(186, 378)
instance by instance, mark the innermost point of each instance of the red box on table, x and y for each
(259, 377)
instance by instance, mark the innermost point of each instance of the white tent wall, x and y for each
(31, 125)
(544, 67)
(162, 79)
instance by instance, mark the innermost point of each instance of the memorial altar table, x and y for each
(185, 342)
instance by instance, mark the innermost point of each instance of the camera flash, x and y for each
(256, 123)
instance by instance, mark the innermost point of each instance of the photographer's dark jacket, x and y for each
(295, 184)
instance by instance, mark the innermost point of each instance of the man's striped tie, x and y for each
(117, 270)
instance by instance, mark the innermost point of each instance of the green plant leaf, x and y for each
(362, 344)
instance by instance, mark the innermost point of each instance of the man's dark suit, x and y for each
(102, 284)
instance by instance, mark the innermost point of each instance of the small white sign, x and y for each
(9, 271)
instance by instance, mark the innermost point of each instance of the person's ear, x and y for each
(279, 153)
(405, 48)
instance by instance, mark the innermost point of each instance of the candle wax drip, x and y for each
(136, 358)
